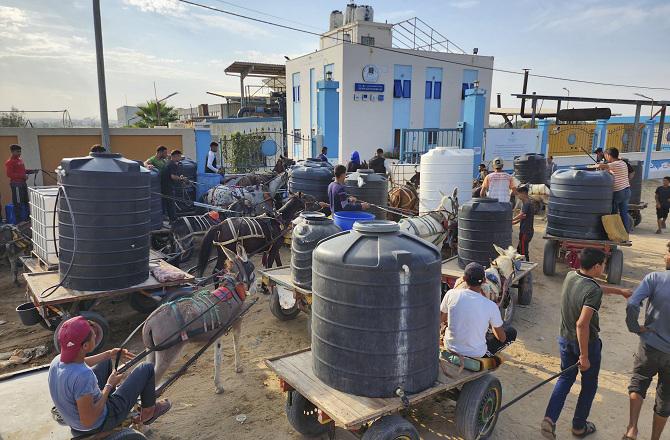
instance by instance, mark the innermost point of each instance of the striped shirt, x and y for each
(619, 170)
(498, 185)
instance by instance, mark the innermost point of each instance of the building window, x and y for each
(437, 90)
(367, 41)
(346, 37)
(466, 86)
(397, 88)
(406, 88)
(429, 89)
(296, 93)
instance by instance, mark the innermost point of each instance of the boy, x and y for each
(525, 220)
(662, 197)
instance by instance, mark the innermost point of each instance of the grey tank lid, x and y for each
(314, 217)
(376, 226)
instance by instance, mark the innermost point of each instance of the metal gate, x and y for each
(570, 139)
(623, 137)
(417, 141)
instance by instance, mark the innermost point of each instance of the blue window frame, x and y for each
(397, 88)
(406, 88)
(429, 89)
(437, 90)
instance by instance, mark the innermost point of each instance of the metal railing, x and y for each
(417, 141)
(416, 34)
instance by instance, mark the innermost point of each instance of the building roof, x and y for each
(256, 69)
(511, 111)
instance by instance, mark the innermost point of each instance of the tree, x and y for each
(148, 114)
(13, 118)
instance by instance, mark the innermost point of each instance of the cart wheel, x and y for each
(615, 267)
(142, 303)
(477, 404)
(507, 313)
(126, 434)
(100, 327)
(51, 324)
(391, 428)
(637, 217)
(303, 416)
(526, 289)
(276, 309)
(550, 253)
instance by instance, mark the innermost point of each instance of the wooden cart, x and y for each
(634, 211)
(567, 250)
(313, 408)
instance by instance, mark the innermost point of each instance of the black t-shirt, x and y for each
(377, 165)
(663, 194)
(526, 224)
(171, 168)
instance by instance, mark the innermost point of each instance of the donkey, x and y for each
(250, 200)
(224, 304)
(404, 197)
(255, 234)
(13, 244)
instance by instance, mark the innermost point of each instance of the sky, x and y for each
(47, 47)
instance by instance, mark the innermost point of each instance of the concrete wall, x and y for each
(659, 165)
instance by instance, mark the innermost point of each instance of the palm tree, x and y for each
(149, 116)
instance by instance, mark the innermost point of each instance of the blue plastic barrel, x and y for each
(346, 219)
(206, 181)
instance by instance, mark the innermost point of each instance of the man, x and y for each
(158, 160)
(653, 353)
(468, 315)
(324, 154)
(18, 175)
(498, 184)
(525, 220)
(97, 148)
(378, 163)
(578, 343)
(169, 180)
(212, 164)
(551, 167)
(354, 163)
(85, 389)
(338, 197)
(600, 155)
(621, 188)
(662, 197)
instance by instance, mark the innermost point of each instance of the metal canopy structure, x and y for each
(245, 69)
(638, 103)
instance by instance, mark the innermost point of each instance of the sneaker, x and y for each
(663, 224)
(658, 231)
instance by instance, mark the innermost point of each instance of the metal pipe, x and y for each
(102, 89)
(636, 123)
(523, 90)
(661, 126)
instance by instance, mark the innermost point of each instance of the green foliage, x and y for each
(148, 114)
(241, 152)
(13, 118)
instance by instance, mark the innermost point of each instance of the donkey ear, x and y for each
(242, 253)
(498, 249)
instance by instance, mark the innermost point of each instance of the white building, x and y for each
(381, 89)
(126, 115)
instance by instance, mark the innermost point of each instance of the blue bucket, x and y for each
(206, 181)
(346, 219)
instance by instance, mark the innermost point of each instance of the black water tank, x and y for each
(312, 178)
(636, 181)
(110, 198)
(312, 228)
(530, 168)
(375, 310)
(577, 201)
(369, 187)
(483, 222)
(156, 200)
(185, 191)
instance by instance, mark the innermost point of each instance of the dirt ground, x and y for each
(200, 413)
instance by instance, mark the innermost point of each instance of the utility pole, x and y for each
(102, 89)
(158, 105)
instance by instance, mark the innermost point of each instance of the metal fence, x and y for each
(627, 138)
(570, 139)
(416, 141)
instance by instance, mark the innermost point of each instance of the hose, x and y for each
(74, 245)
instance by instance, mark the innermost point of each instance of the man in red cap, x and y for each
(86, 390)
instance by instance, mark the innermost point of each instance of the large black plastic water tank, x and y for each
(312, 228)
(185, 191)
(369, 187)
(311, 177)
(530, 168)
(483, 222)
(375, 310)
(110, 198)
(577, 201)
(156, 200)
(636, 181)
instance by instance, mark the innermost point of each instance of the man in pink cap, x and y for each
(86, 390)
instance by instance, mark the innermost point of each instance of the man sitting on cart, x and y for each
(88, 393)
(469, 315)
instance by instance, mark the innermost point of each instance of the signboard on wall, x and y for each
(507, 143)
(363, 87)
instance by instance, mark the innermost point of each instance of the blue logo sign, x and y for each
(363, 87)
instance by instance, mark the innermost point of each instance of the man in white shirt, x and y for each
(498, 184)
(212, 164)
(468, 315)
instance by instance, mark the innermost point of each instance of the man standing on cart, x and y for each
(498, 184)
(621, 188)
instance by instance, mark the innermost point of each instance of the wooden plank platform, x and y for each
(587, 241)
(450, 268)
(346, 410)
(282, 277)
(38, 282)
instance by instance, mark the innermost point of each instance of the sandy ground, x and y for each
(200, 413)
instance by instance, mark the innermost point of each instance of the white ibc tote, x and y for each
(442, 170)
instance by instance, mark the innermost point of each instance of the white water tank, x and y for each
(336, 20)
(349, 13)
(364, 13)
(442, 170)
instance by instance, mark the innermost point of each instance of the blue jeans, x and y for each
(620, 204)
(569, 356)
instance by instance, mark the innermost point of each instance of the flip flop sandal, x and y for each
(589, 429)
(625, 437)
(161, 408)
(548, 430)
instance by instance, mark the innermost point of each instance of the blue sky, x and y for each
(47, 46)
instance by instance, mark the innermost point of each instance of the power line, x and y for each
(392, 50)
(264, 13)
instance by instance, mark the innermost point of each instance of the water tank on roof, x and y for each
(311, 177)
(577, 201)
(367, 186)
(336, 20)
(349, 13)
(364, 13)
(483, 222)
(375, 310)
(442, 170)
(312, 227)
(636, 181)
(103, 232)
(156, 200)
(531, 168)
